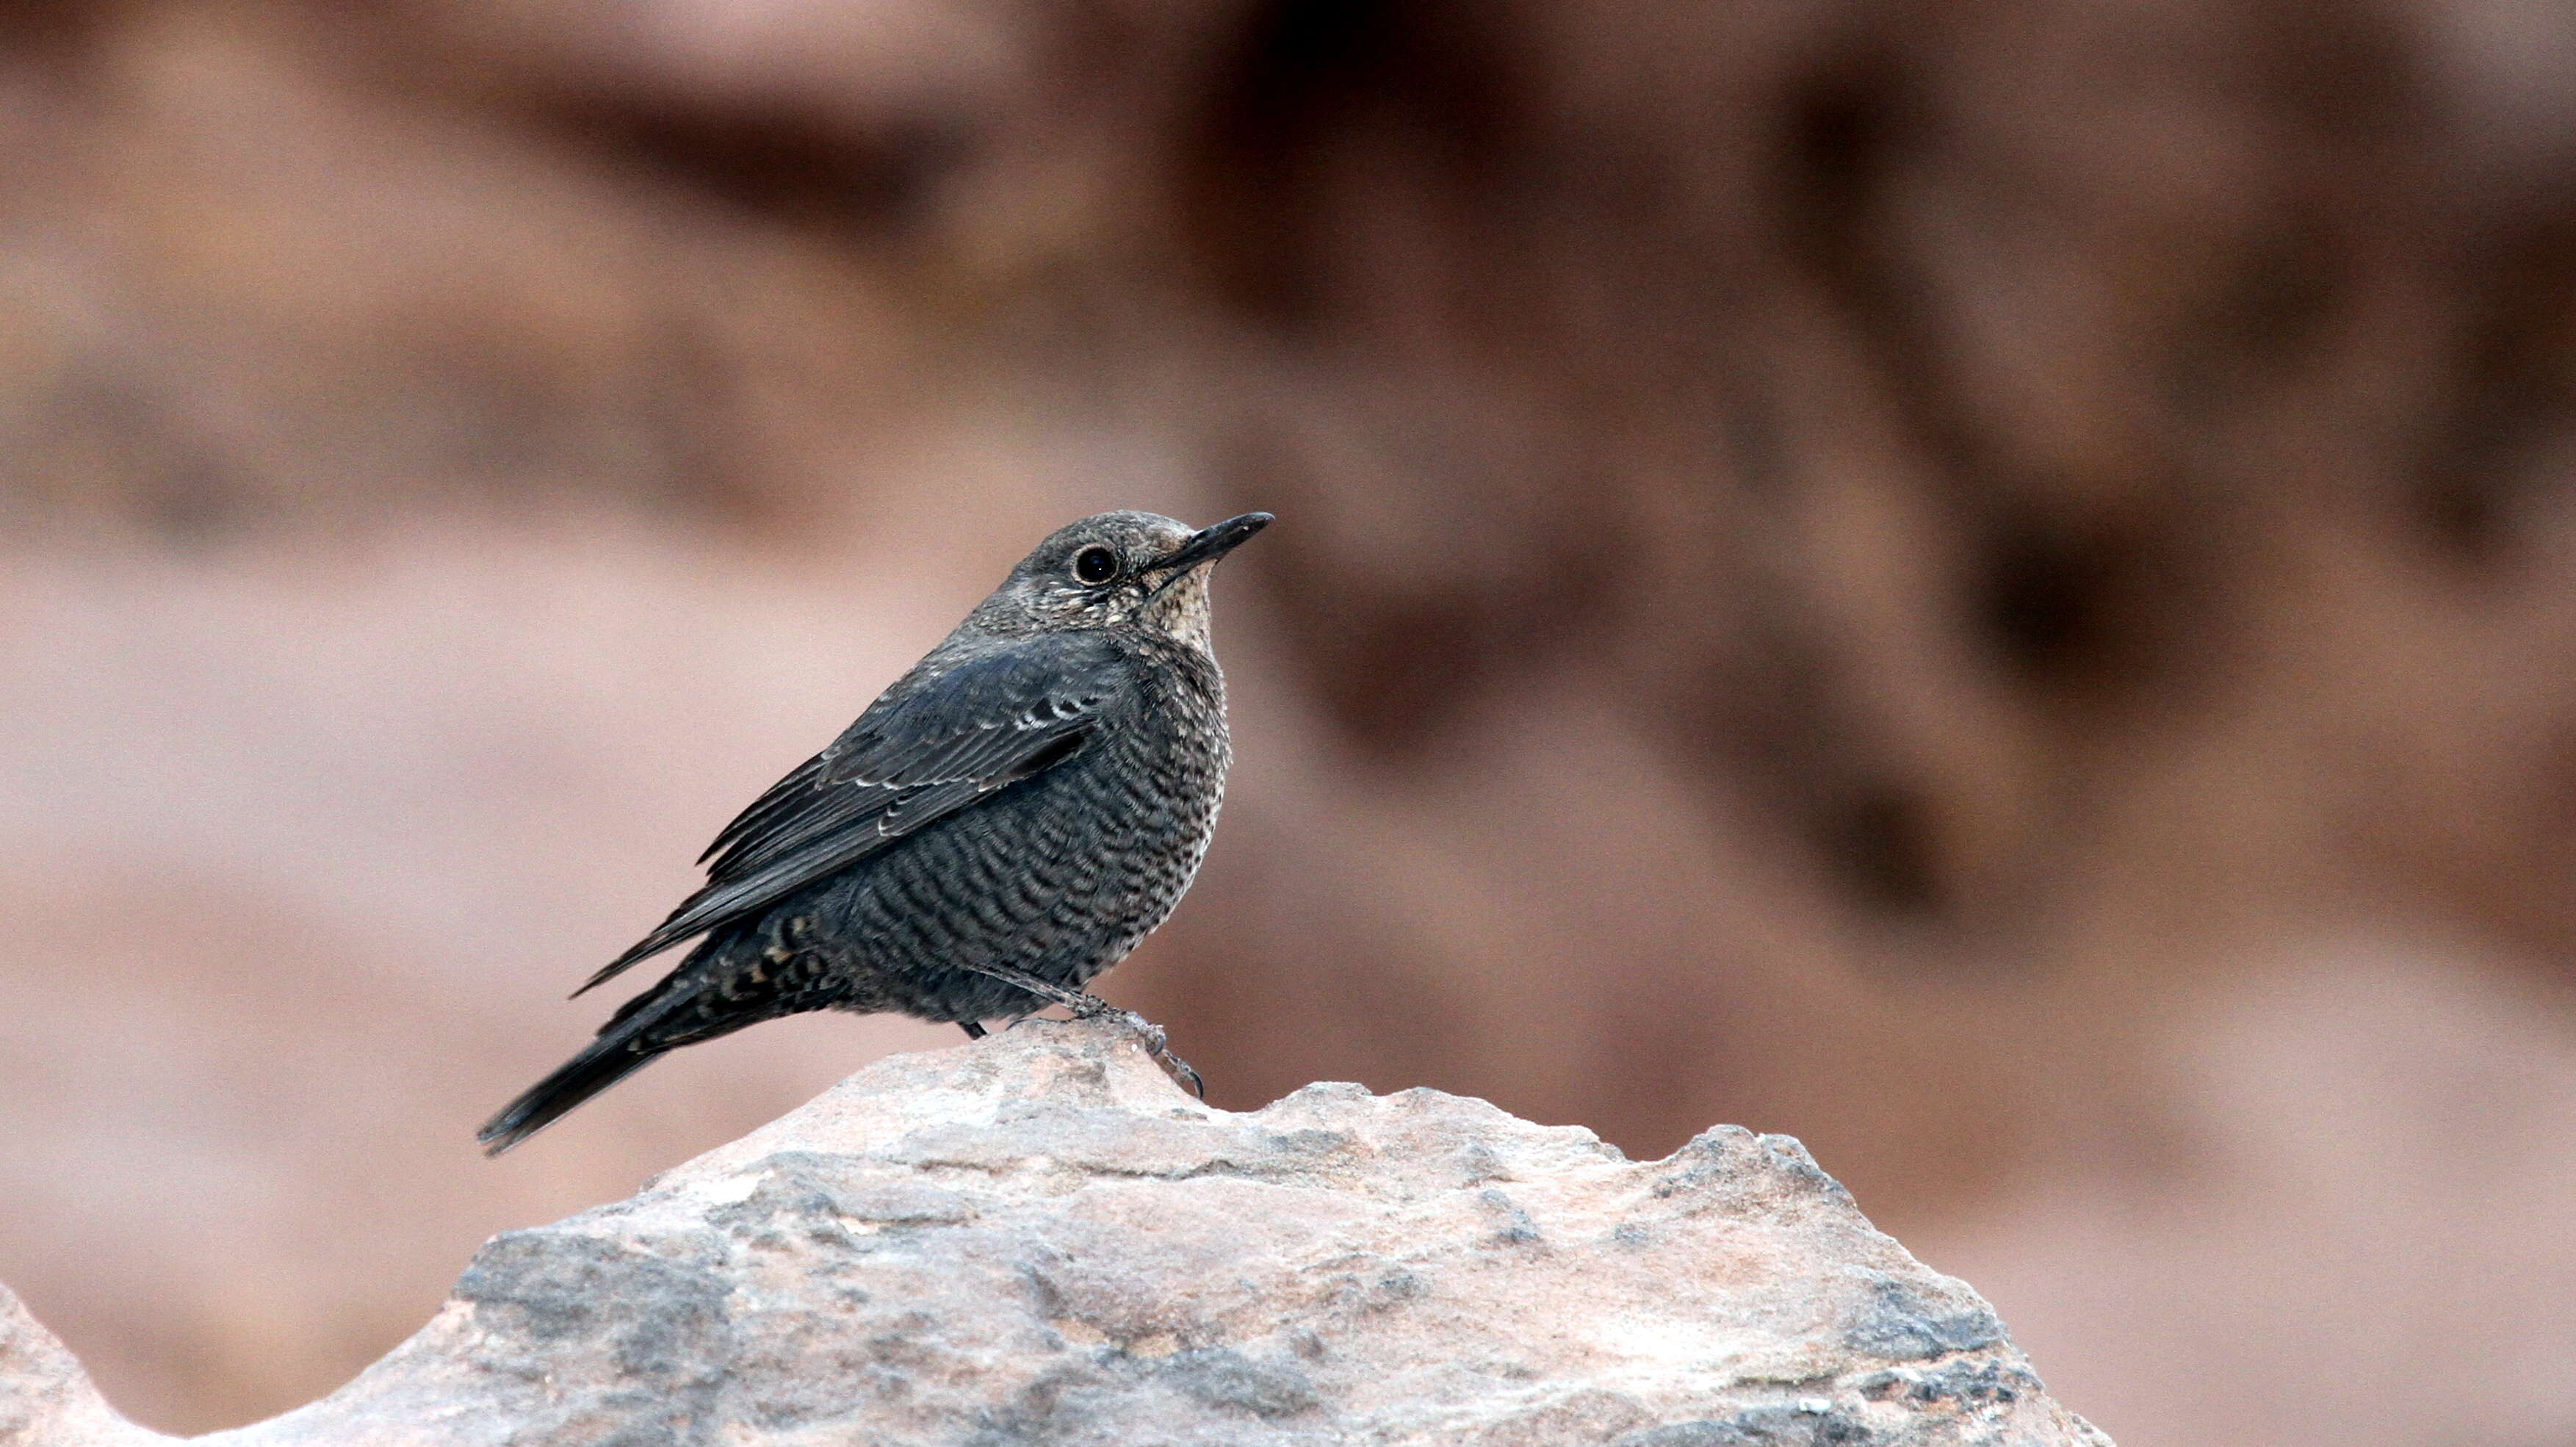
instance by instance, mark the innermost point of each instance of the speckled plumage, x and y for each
(1033, 796)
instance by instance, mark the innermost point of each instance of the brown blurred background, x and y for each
(1985, 584)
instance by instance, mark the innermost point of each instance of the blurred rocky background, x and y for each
(1989, 586)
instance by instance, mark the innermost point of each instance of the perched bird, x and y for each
(1005, 822)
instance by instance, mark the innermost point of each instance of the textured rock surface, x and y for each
(45, 1397)
(1039, 1239)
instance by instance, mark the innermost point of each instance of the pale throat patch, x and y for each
(1182, 612)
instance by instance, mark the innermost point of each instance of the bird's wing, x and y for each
(944, 737)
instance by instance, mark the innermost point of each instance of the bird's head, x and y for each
(1118, 569)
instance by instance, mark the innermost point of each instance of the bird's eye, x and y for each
(1094, 566)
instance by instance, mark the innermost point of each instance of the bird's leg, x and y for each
(974, 1029)
(1092, 1007)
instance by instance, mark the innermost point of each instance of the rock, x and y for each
(46, 1400)
(1039, 1239)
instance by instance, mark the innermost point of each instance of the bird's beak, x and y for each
(1211, 543)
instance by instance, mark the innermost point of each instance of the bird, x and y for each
(1006, 821)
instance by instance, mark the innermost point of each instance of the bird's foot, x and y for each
(1087, 1006)
(1148, 1034)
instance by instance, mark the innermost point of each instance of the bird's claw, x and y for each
(1151, 1036)
(1083, 1005)
(1180, 1070)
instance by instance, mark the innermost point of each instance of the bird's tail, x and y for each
(626, 1044)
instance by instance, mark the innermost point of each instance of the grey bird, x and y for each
(1005, 822)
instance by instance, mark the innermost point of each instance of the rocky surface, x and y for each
(1039, 1239)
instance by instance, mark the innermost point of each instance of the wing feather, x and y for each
(948, 734)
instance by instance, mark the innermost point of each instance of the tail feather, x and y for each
(712, 993)
(607, 1061)
(625, 1045)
